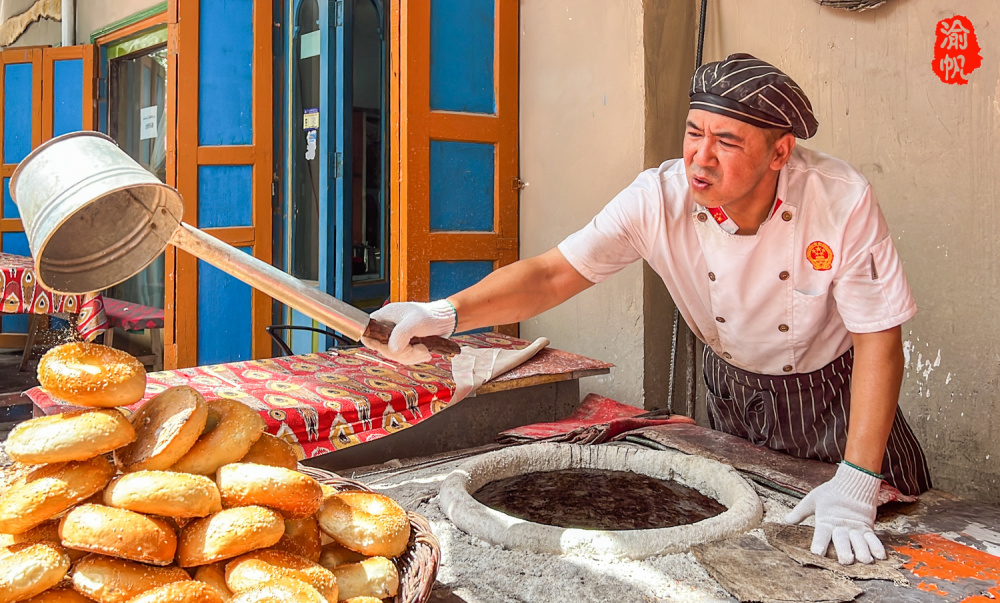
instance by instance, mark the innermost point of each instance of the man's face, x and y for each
(726, 160)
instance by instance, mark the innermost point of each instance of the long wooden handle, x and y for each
(379, 331)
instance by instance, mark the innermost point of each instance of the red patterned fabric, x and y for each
(23, 295)
(597, 419)
(131, 316)
(325, 402)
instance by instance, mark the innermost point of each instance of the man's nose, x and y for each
(704, 153)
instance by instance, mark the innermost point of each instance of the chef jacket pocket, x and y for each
(809, 313)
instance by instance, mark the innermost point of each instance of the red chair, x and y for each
(136, 317)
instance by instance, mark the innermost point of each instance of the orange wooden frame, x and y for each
(181, 341)
(414, 246)
(49, 58)
(17, 56)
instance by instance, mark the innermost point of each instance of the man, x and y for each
(781, 262)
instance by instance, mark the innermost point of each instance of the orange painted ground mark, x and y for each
(932, 556)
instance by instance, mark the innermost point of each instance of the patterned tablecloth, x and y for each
(324, 402)
(23, 295)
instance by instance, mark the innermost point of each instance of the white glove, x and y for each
(845, 512)
(413, 319)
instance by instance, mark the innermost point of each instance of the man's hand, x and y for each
(413, 319)
(845, 512)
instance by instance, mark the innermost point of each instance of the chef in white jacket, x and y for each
(779, 259)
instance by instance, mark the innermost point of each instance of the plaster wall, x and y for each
(931, 151)
(582, 117)
(92, 15)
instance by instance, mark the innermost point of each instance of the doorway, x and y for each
(333, 227)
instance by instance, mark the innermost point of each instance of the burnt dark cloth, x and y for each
(755, 92)
(805, 415)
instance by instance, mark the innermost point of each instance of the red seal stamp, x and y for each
(819, 255)
(956, 51)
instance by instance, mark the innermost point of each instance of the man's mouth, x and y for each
(699, 183)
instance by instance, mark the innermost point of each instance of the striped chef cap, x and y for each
(753, 91)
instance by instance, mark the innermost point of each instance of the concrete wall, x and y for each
(92, 15)
(582, 139)
(932, 153)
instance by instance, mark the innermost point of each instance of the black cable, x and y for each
(701, 32)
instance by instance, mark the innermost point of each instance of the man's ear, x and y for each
(782, 151)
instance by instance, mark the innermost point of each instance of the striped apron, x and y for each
(805, 415)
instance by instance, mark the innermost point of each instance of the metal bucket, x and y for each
(93, 216)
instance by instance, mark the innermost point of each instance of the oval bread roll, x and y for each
(214, 575)
(29, 569)
(301, 537)
(48, 490)
(164, 493)
(119, 533)
(110, 580)
(236, 428)
(72, 436)
(89, 374)
(270, 450)
(166, 428)
(295, 494)
(180, 592)
(374, 577)
(262, 567)
(228, 533)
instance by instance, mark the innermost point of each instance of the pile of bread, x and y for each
(185, 501)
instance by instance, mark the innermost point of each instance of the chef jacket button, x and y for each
(720, 319)
(711, 276)
(783, 328)
(783, 275)
(787, 368)
(702, 217)
(786, 216)
(727, 355)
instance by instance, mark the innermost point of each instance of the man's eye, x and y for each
(694, 134)
(727, 145)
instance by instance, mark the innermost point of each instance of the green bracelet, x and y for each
(863, 470)
(453, 309)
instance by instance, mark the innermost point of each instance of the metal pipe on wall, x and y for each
(68, 23)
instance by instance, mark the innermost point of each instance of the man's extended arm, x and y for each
(511, 294)
(845, 506)
(518, 291)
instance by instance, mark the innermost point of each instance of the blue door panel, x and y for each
(67, 92)
(225, 73)
(462, 56)
(448, 278)
(9, 207)
(224, 316)
(461, 191)
(17, 114)
(225, 195)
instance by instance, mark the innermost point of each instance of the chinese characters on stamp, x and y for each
(956, 50)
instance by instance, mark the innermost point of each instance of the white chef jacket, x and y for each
(784, 300)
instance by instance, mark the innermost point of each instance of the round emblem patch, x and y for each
(819, 255)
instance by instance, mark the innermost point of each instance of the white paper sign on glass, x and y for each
(147, 122)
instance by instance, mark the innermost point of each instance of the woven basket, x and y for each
(418, 566)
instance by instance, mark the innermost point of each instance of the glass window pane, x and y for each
(137, 85)
(303, 207)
